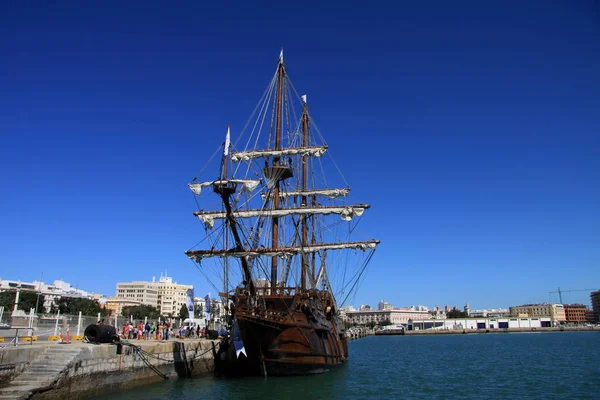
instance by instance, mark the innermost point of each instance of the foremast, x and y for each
(225, 188)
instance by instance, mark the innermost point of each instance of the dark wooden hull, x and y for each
(294, 336)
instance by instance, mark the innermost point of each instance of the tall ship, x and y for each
(280, 238)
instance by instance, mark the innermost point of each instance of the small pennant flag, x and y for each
(238, 343)
(281, 56)
(227, 143)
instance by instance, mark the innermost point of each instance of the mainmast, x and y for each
(304, 188)
(275, 220)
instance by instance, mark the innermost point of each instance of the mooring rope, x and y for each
(144, 356)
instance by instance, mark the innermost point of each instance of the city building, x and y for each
(396, 316)
(576, 313)
(171, 296)
(364, 307)
(116, 304)
(384, 305)
(141, 291)
(438, 313)
(595, 297)
(489, 312)
(49, 294)
(480, 323)
(555, 311)
(167, 296)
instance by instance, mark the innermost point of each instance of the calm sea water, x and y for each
(562, 365)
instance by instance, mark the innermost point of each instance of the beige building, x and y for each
(116, 304)
(171, 296)
(167, 296)
(556, 312)
(140, 291)
(395, 316)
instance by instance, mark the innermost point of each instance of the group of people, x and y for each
(190, 332)
(160, 331)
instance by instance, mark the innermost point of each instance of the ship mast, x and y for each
(225, 189)
(226, 236)
(275, 220)
(304, 188)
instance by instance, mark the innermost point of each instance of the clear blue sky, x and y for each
(472, 129)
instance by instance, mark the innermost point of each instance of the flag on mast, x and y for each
(281, 55)
(238, 343)
(227, 143)
(207, 307)
(189, 302)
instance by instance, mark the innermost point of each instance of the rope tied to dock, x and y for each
(145, 356)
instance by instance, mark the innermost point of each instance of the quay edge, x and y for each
(78, 370)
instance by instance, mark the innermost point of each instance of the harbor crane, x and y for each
(560, 292)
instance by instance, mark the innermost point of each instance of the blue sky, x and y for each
(472, 129)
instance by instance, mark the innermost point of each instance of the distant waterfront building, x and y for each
(576, 313)
(438, 313)
(419, 308)
(595, 297)
(348, 308)
(480, 323)
(383, 305)
(489, 312)
(365, 307)
(396, 316)
(555, 311)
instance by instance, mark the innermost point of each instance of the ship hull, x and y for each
(303, 342)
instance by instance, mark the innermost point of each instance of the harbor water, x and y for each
(561, 365)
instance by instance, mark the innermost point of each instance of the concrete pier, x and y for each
(77, 370)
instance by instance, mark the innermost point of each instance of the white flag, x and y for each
(303, 99)
(227, 142)
(281, 56)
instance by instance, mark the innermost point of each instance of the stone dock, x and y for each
(50, 370)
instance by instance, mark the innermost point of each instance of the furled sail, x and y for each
(346, 212)
(331, 193)
(282, 252)
(247, 184)
(314, 151)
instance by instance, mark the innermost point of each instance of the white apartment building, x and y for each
(50, 293)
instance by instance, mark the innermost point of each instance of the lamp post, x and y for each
(39, 291)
